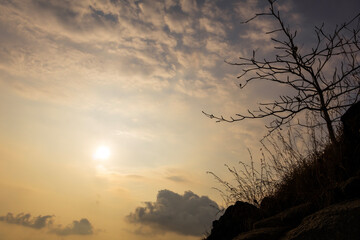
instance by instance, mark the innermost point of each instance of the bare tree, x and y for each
(324, 79)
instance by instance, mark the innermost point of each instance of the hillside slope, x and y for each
(320, 200)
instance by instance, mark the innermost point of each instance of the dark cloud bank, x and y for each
(186, 214)
(82, 227)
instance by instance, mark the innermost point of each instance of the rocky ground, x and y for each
(331, 213)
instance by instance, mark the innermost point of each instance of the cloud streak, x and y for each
(186, 214)
(25, 220)
(81, 227)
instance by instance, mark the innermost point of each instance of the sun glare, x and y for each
(102, 153)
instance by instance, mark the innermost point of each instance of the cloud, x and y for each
(26, 220)
(177, 22)
(53, 50)
(188, 5)
(186, 214)
(82, 227)
(214, 27)
(177, 178)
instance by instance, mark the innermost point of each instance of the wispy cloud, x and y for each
(55, 50)
(140, 45)
(186, 214)
(176, 178)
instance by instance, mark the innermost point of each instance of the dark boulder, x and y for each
(270, 206)
(288, 218)
(351, 187)
(351, 140)
(270, 233)
(237, 218)
(337, 222)
(351, 122)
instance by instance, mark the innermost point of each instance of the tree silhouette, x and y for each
(325, 79)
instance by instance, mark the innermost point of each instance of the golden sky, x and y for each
(131, 77)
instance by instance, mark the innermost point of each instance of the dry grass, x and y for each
(295, 167)
(249, 185)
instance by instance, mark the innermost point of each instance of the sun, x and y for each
(102, 153)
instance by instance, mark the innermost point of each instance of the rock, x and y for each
(351, 122)
(236, 219)
(271, 233)
(351, 187)
(269, 205)
(333, 194)
(288, 218)
(351, 140)
(339, 181)
(336, 222)
(343, 191)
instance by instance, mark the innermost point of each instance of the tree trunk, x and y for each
(324, 110)
(329, 126)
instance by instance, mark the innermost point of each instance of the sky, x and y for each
(102, 131)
